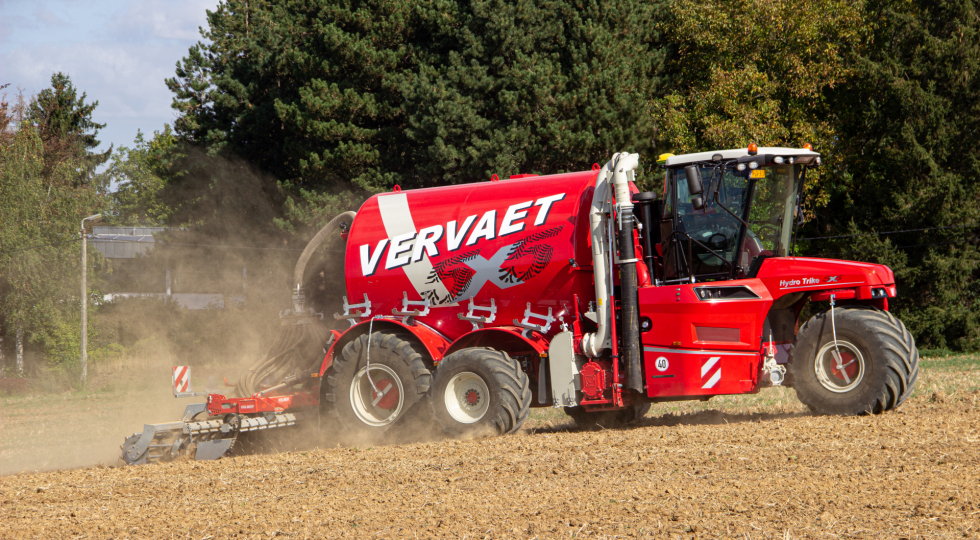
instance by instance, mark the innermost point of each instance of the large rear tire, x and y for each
(480, 392)
(872, 368)
(397, 371)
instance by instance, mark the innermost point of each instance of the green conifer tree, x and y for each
(65, 125)
(333, 98)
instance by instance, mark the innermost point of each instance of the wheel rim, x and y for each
(369, 407)
(467, 397)
(843, 376)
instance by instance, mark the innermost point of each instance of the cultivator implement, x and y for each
(207, 439)
(210, 430)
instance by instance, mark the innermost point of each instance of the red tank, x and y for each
(502, 243)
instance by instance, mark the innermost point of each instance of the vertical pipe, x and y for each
(594, 343)
(630, 310)
(617, 392)
(629, 302)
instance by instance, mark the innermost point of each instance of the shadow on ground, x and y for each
(699, 418)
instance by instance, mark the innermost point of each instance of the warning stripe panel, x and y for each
(181, 378)
(709, 368)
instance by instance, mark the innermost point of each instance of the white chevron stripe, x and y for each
(713, 380)
(708, 365)
(397, 219)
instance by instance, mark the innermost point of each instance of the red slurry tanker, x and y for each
(468, 305)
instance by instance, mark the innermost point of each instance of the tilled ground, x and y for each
(911, 473)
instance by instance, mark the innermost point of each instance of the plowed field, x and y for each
(748, 467)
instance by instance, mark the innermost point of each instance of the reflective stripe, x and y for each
(702, 353)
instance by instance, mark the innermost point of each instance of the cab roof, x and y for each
(686, 159)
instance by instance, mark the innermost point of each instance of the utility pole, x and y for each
(3, 361)
(19, 349)
(85, 300)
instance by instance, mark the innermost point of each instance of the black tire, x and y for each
(496, 391)
(348, 394)
(878, 355)
(608, 419)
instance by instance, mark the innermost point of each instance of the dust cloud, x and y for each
(238, 261)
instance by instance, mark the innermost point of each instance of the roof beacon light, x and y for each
(753, 149)
(808, 146)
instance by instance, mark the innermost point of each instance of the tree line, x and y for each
(290, 112)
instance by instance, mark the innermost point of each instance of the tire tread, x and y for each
(515, 388)
(896, 354)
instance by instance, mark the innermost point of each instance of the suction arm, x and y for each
(304, 258)
(612, 179)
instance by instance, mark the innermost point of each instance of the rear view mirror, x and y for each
(693, 174)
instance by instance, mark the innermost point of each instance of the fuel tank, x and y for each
(506, 244)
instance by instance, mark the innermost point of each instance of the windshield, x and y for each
(772, 192)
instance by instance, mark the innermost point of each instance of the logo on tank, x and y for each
(465, 274)
(460, 276)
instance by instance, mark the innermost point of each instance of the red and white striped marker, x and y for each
(709, 375)
(182, 379)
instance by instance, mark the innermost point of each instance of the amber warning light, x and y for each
(753, 149)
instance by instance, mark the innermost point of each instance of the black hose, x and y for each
(298, 348)
(629, 302)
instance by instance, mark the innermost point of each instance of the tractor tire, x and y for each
(480, 392)
(608, 419)
(876, 371)
(349, 399)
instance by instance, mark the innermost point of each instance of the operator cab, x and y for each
(724, 212)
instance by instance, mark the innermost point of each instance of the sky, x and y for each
(117, 51)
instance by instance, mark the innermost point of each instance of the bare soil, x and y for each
(749, 469)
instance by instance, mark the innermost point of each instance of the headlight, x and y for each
(778, 160)
(791, 160)
(818, 160)
(740, 166)
(753, 165)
